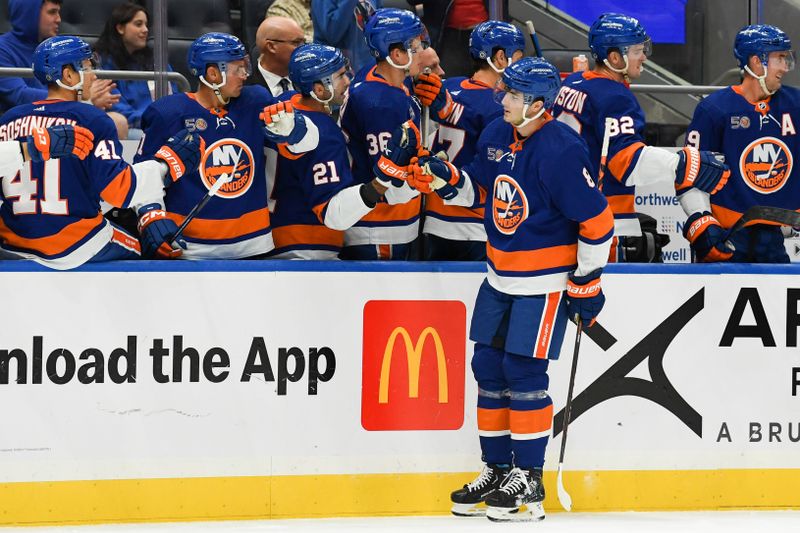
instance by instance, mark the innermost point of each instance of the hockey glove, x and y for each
(584, 297)
(392, 167)
(282, 124)
(428, 88)
(707, 238)
(156, 231)
(431, 174)
(701, 169)
(59, 141)
(181, 153)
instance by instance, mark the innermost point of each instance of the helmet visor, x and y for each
(783, 59)
(637, 51)
(501, 90)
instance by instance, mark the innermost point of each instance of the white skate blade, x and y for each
(468, 509)
(532, 512)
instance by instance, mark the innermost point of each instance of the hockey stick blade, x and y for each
(563, 496)
(534, 39)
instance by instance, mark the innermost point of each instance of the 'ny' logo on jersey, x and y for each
(509, 204)
(766, 164)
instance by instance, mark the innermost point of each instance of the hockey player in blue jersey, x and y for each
(235, 222)
(51, 209)
(314, 197)
(549, 230)
(599, 102)
(752, 124)
(377, 104)
(464, 107)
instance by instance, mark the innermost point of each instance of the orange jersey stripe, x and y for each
(53, 244)
(300, 234)
(532, 421)
(726, 217)
(598, 226)
(548, 323)
(283, 149)
(118, 189)
(389, 213)
(621, 204)
(226, 228)
(434, 204)
(528, 260)
(493, 419)
(618, 166)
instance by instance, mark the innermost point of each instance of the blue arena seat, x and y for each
(253, 12)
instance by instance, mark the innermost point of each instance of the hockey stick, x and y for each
(534, 38)
(763, 214)
(563, 496)
(424, 124)
(225, 178)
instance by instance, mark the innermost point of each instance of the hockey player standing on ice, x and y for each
(51, 208)
(464, 107)
(235, 223)
(549, 230)
(377, 105)
(753, 125)
(600, 99)
(314, 197)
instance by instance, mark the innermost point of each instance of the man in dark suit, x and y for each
(276, 39)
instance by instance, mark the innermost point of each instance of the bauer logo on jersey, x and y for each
(413, 365)
(509, 205)
(766, 165)
(231, 157)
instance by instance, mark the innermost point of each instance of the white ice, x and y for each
(676, 522)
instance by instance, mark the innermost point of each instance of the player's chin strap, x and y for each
(494, 68)
(217, 86)
(78, 87)
(623, 71)
(401, 67)
(326, 102)
(762, 80)
(525, 121)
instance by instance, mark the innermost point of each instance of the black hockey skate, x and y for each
(466, 499)
(520, 489)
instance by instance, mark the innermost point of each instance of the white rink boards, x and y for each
(284, 405)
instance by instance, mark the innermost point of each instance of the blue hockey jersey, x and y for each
(759, 141)
(303, 186)
(372, 110)
(235, 223)
(51, 210)
(544, 214)
(458, 135)
(585, 101)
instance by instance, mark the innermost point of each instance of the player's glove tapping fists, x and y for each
(182, 153)
(701, 169)
(282, 124)
(405, 143)
(428, 88)
(59, 141)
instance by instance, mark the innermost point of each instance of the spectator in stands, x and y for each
(123, 46)
(297, 10)
(340, 23)
(32, 22)
(450, 24)
(276, 39)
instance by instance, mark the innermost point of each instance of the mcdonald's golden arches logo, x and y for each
(413, 365)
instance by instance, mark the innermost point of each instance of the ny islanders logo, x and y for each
(509, 205)
(766, 165)
(231, 157)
